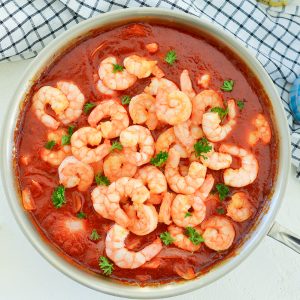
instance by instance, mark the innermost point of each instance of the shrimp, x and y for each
(204, 81)
(186, 84)
(168, 139)
(204, 100)
(115, 78)
(142, 110)
(27, 200)
(164, 215)
(98, 195)
(73, 172)
(218, 233)
(183, 184)
(206, 187)
(137, 135)
(211, 123)
(103, 89)
(239, 208)
(139, 66)
(56, 157)
(262, 132)
(116, 166)
(55, 98)
(124, 258)
(152, 47)
(180, 210)
(174, 108)
(158, 72)
(76, 101)
(84, 137)
(160, 87)
(118, 115)
(153, 178)
(247, 173)
(180, 240)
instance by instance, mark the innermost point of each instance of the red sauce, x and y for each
(197, 53)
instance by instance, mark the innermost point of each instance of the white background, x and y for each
(272, 271)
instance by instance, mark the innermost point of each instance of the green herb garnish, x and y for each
(194, 236)
(88, 107)
(188, 214)
(116, 146)
(58, 196)
(101, 179)
(105, 265)
(227, 85)
(171, 57)
(94, 235)
(220, 210)
(66, 139)
(125, 99)
(220, 111)
(159, 159)
(49, 145)
(240, 104)
(223, 190)
(202, 146)
(166, 238)
(81, 215)
(117, 68)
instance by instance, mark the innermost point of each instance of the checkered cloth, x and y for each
(271, 34)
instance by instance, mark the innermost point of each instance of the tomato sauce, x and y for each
(199, 54)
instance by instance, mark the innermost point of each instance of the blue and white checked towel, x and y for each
(272, 34)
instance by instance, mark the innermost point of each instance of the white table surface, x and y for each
(272, 271)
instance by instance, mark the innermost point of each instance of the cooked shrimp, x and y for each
(204, 100)
(204, 81)
(211, 123)
(239, 208)
(73, 172)
(137, 135)
(164, 215)
(116, 166)
(153, 178)
(173, 108)
(55, 157)
(76, 101)
(247, 173)
(218, 233)
(183, 184)
(180, 210)
(115, 79)
(186, 84)
(122, 257)
(98, 195)
(80, 141)
(158, 72)
(262, 132)
(118, 115)
(55, 98)
(206, 187)
(139, 66)
(27, 200)
(142, 110)
(152, 47)
(181, 240)
(160, 87)
(103, 89)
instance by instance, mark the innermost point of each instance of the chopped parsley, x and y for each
(220, 111)
(81, 215)
(202, 146)
(227, 85)
(101, 179)
(49, 145)
(240, 104)
(105, 265)
(220, 210)
(188, 214)
(166, 238)
(88, 107)
(94, 235)
(117, 68)
(66, 139)
(159, 159)
(116, 146)
(194, 236)
(171, 57)
(222, 190)
(125, 99)
(58, 196)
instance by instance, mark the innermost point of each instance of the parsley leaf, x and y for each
(240, 104)
(188, 214)
(49, 145)
(117, 68)
(220, 210)
(94, 235)
(166, 238)
(101, 179)
(88, 107)
(58, 196)
(159, 159)
(194, 236)
(223, 190)
(202, 146)
(171, 57)
(227, 85)
(221, 112)
(105, 265)
(116, 146)
(125, 99)
(66, 139)
(81, 215)
(71, 129)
